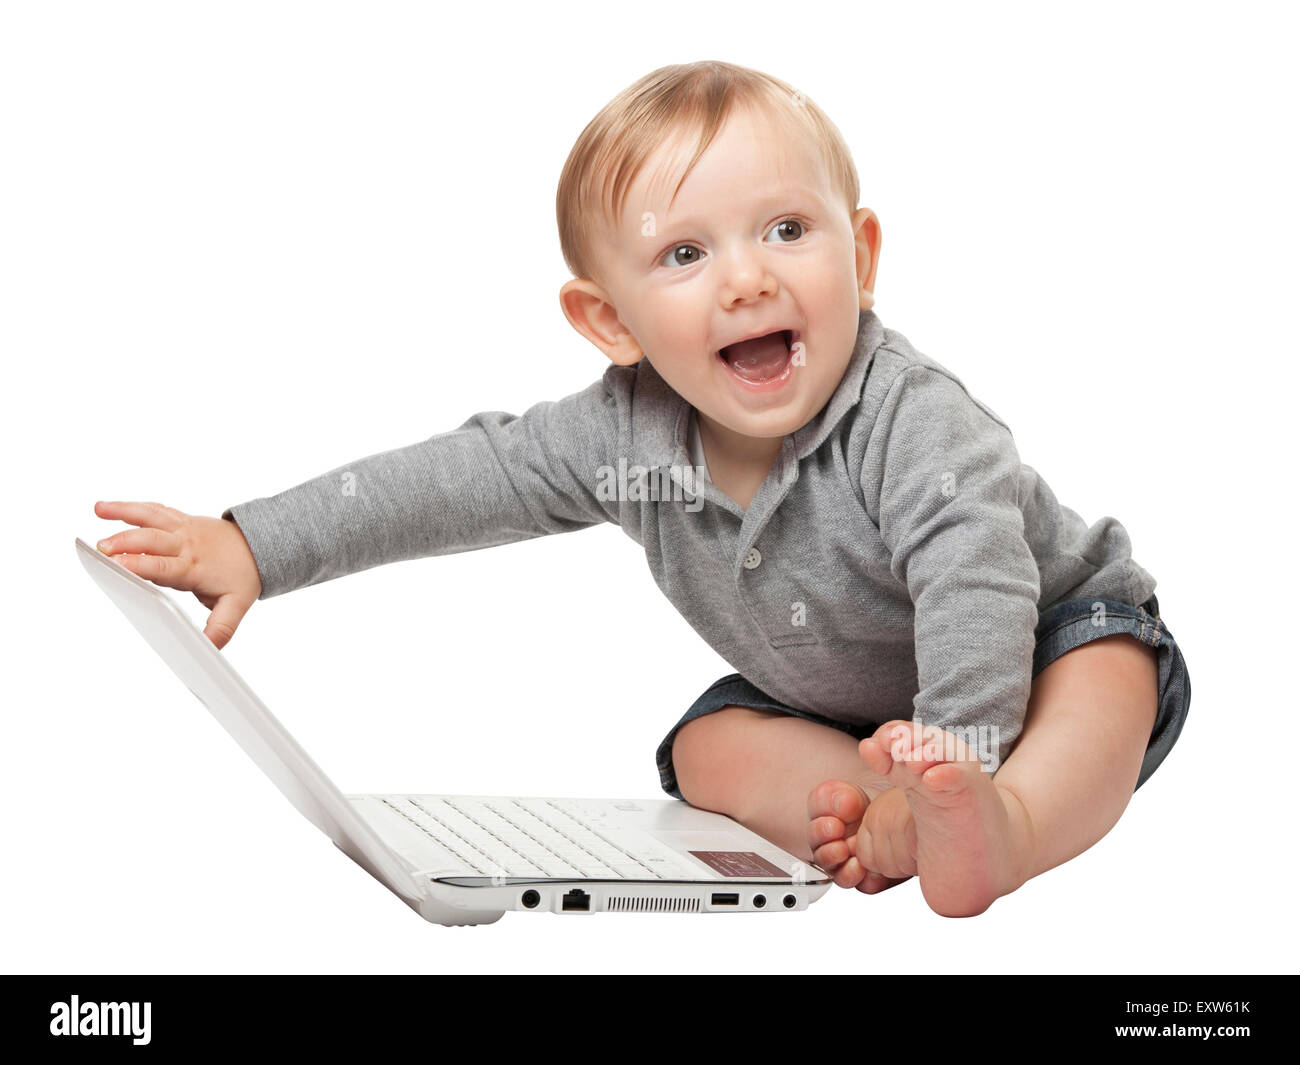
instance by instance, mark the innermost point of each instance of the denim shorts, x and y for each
(1061, 628)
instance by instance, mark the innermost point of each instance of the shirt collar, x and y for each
(661, 418)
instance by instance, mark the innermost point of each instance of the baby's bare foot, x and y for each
(966, 850)
(837, 812)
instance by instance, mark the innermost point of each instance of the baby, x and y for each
(943, 672)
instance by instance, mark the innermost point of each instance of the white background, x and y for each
(246, 243)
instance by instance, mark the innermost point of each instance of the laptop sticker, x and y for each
(737, 863)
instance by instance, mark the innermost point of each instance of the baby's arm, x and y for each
(942, 474)
(496, 479)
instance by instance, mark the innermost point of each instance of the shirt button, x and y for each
(752, 558)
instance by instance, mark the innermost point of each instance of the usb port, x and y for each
(721, 898)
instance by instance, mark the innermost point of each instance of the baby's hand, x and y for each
(206, 556)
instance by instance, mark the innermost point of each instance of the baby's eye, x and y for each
(681, 260)
(790, 229)
(788, 225)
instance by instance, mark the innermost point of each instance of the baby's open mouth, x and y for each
(762, 358)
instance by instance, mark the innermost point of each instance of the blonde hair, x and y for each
(678, 99)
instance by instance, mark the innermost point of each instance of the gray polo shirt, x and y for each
(892, 565)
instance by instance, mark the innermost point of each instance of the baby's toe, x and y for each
(836, 798)
(892, 750)
(830, 856)
(826, 840)
(874, 883)
(848, 875)
(826, 830)
(949, 778)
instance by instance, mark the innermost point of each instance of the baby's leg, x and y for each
(759, 767)
(1077, 761)
(1070, 777)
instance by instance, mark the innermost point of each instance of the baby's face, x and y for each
(757, 242)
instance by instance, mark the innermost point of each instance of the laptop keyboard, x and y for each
(535, 837)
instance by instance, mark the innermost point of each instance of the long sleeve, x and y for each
(946, 475)
(496, 479)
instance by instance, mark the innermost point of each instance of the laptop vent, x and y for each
(640, 904)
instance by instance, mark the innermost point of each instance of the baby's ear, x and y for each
(866, 242)
(590, 311)
(627, 352)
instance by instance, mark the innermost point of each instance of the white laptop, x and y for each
(460, 860)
